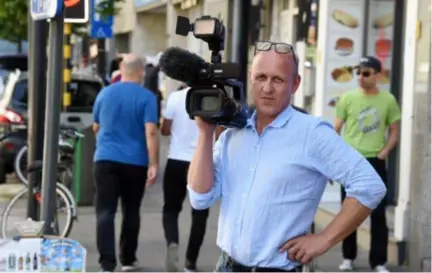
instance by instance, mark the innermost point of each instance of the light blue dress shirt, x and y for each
(270, 185)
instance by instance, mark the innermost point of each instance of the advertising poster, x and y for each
(344, 43)
(42, 255)
(380, 37)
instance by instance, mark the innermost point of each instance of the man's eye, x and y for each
(278, 80)
(261, 77)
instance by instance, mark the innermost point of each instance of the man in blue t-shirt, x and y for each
(125, 161)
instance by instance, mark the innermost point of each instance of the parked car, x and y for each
(13, 113)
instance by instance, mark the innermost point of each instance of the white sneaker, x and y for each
(130, 267)
(171, 264)
(346, 265)
(381, 268)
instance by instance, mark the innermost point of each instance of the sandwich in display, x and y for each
(345, 18)
(342, 74)
(384, 77)
(383, 21)
(344, 46)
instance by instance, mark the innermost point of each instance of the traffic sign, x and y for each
(76, 11)
(45, 9)
(100, 27)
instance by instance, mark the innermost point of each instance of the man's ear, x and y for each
(297, 81)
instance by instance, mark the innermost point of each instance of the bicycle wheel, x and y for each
(63, 203)
(20, 165)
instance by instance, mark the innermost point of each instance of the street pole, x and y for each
(101, 59)
(67, 72)
(38, 36)
(240, 41)
(52, 114)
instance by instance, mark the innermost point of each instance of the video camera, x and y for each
(215, 94)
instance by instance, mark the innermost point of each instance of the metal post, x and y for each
(52, 113)
(38, 36)
(240, 41)
(67, 72)
(101, 58)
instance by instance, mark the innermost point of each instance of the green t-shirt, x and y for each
(367, 118)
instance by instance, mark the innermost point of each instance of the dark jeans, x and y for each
(174, 189)
(379, 229)
(113, 181)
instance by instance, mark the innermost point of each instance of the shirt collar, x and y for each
(280, 121)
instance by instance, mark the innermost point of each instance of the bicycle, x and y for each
(66, 157)
(66, 200)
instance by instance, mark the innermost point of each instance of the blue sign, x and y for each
(100, 27)
(45, 9)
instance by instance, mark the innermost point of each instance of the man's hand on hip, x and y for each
(305, 248)
(152, 174)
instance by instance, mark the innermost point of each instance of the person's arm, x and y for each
(206, 170)
(393, 118)
(335, 159)
(151, 130)
(341, 114)
(168, 115)
(96, 114)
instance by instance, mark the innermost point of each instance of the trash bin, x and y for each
(84, 185)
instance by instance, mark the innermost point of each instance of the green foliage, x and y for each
(13, 18)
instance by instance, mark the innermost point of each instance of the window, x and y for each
(84, 94)
(20, 92)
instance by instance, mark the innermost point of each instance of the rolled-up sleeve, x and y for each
(202, 201)
(336, 160)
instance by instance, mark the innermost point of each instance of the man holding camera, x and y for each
(271, 174)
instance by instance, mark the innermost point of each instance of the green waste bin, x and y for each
(84, 182)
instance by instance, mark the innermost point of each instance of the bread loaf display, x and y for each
(345, 18)
(383, 21)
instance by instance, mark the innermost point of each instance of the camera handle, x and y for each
(216, 57)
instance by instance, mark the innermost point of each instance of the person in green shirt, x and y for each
(367, 115)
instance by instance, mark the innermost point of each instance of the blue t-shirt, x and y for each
(121, 110)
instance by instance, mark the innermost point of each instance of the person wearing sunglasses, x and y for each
(271, 174)
(366, 115)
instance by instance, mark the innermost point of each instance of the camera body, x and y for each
(215, 94)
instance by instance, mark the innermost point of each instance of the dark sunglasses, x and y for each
(281, 48)
(365, 74)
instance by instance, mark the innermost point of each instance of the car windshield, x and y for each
(83, 94)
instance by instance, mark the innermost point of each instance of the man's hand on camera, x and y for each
(152, 173)
(305, 248)
(204, 126)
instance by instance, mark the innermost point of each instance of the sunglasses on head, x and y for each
(281, 48)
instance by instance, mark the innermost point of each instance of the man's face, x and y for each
(367, 77)
(273, 79)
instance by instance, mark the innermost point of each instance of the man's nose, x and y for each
(267, 86)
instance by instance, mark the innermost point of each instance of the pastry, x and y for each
(343, 74)
(383, 48)
(345, 19)
(344, 46)
(384, 77)
(383, 21)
